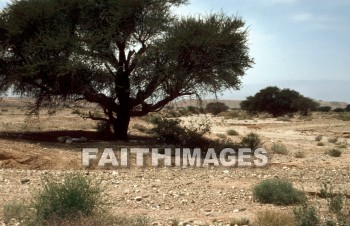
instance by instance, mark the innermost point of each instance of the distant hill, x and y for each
(235, 103)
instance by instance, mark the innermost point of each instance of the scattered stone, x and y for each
(25, 180)
(138, 198)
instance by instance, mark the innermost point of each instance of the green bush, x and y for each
(279, 149)
(306, 216)
(252, 141)
(232, 132)
(278, 192)
(278, 102)
(334, 153)
(66, 198)
(171, 131)
(338, 205)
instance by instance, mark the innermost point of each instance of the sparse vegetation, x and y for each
(278, 192)
(252, 141)
(318, 138)
(17, 210)
(344, 116)
(278, 148)
(306, 215)
(274, 218)
(171, 131)
(239, 222)
(299, 154)
(334, 152)
(66, 198)
(333, 139)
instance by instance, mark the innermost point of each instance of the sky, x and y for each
(297, 44)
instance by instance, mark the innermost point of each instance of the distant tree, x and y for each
(130, 57)
(304, 105)
(347, 108)
(216, 108)
(278, 102)
(324, 108)
(339, 110)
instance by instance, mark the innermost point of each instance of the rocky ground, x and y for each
(198, 196)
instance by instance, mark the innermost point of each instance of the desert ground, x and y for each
(29, 150)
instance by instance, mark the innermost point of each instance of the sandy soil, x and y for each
(197, 195)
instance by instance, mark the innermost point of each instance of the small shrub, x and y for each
(170, 131)
(17, 211)
(274, 218)
(334, 153)
(232, 132)
(66, 199)
(333, 139)
(133, 221)
(337, 204)
(252, 141)
(343, 116)
(306, 216)
(318, 138)
(279, 149)
(299, 154)
(278, 192)
(242, 221)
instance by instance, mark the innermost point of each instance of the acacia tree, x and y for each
(278, 102)
(130, 57)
